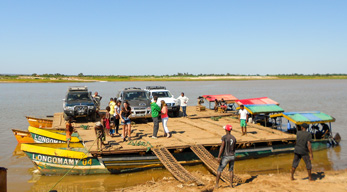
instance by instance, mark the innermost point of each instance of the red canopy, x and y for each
(256, 101)
(226, 97)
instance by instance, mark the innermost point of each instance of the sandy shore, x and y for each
(324, 181)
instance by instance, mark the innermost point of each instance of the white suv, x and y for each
(163, 94)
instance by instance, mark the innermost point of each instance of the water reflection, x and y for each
(17, 152)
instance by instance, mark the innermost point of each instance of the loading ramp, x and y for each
(212, 164)
(176, 169)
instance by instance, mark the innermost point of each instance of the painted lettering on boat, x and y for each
(55, 160)
(43, 139)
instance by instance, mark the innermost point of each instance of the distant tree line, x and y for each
(173, 75)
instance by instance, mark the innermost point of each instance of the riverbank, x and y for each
(68, 79)
(328, 180)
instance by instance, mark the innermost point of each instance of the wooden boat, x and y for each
(55, 159)
(51, 136)
(313, 118)
(40, 122)
(23, 136)
(130, 162)
(260, 113)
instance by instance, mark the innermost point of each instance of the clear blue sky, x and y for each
(166, 37)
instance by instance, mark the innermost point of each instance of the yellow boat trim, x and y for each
(249, 111)
(52, 151)
(51, 134)
(276, 115)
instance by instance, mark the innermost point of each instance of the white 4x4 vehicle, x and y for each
(163, 94)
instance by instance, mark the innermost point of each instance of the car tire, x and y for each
(176, 113)
(92, 117)
(65, 117)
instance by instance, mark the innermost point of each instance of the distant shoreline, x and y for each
(77, 79)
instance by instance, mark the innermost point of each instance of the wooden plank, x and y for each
(185, 132)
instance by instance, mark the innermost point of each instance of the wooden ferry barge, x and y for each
(199, 129)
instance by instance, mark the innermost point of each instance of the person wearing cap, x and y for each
(303, 150)
(227, 147)
(183, 102)
(243, 118)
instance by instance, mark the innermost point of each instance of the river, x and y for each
(40, 99)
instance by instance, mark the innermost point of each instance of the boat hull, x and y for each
(50, 161)
(55, 159)
(135, 162)
(55, 165)
(23, 136)
(48, 136)
(39, 122)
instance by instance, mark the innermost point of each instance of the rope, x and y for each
(216, 118)
(141, 143)
(85, 127)
(71, 167)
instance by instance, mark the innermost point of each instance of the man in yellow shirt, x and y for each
(112, 104)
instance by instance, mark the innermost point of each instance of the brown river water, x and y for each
(39, 99)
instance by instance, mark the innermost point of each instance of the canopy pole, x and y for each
(330, 130)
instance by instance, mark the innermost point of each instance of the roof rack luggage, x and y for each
(78, 88)
(155, 87)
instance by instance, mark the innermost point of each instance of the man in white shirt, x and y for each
(183, 102)
(243, 119)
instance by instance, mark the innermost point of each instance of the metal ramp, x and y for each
(177, 170)
(212, 164)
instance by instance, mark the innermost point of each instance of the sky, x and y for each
(145, 37)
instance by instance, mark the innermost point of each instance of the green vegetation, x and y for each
(61, 78)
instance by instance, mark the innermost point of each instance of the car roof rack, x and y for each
(155, 87)
(78, 88)
(132, 88)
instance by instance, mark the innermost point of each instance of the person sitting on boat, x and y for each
(223, 104)
(290, 129)
(324, 132)
(69, 131)
(303, 150)
(227, 147)
(100, 134)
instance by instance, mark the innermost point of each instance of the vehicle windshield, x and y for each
(135, 95)
(73, 96)
(161, 94)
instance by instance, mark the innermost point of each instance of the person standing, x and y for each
(243, 119)
(69, 131)
(183, 102)
(165, 118)
(117, 110)
(303, 150)
(107, 121)
(125, 119)
(112, 104)
(100, 135)
(155, 116)
(228, 146)
(97, 98)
